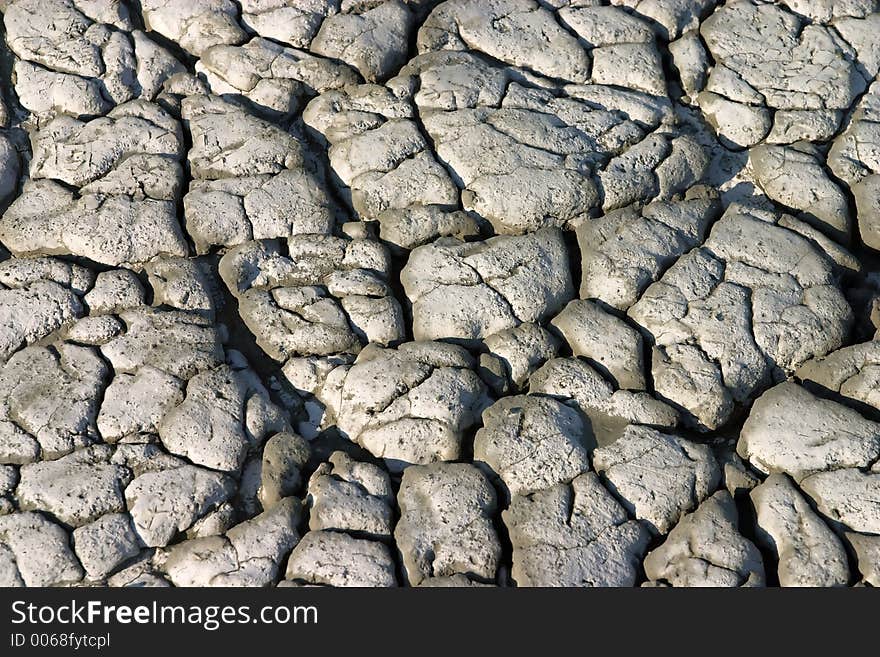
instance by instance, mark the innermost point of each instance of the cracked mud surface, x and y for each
(440, 293)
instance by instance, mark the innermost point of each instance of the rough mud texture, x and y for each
(440, 293)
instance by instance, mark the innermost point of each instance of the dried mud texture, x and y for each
(440, 293)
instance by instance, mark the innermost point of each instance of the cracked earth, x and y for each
(440, 293)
